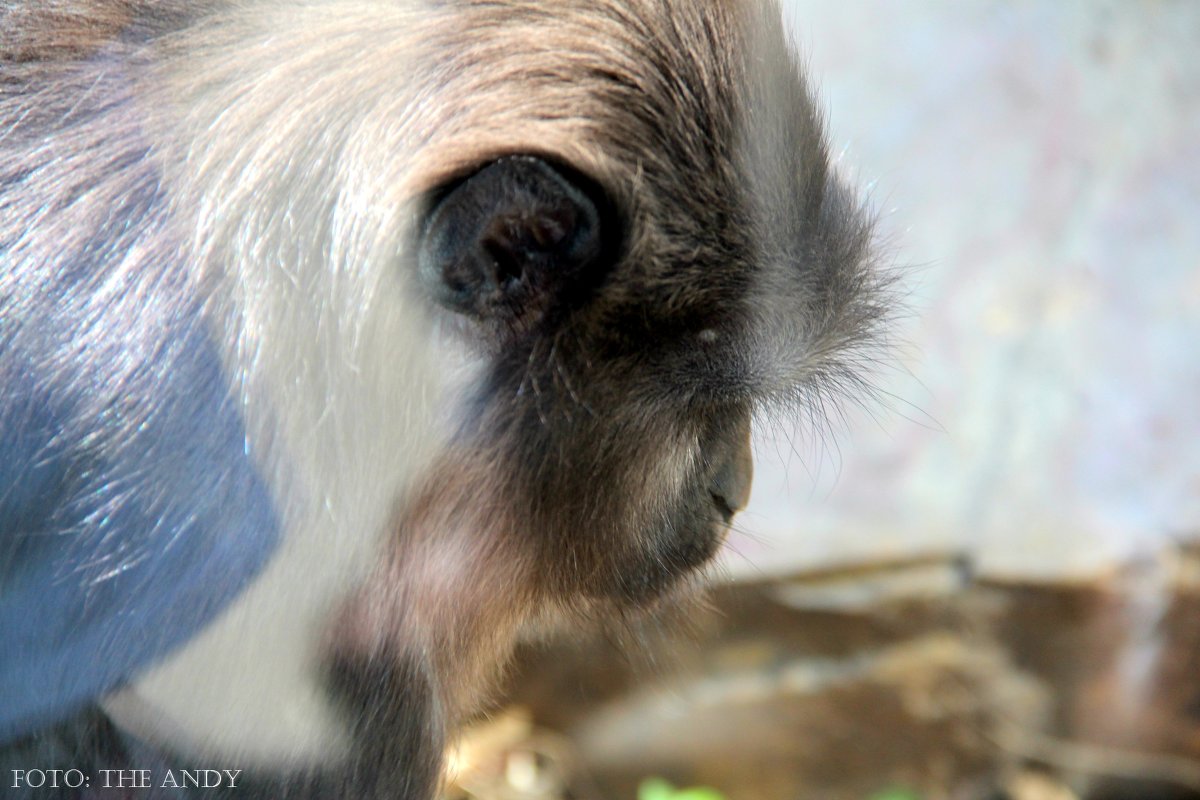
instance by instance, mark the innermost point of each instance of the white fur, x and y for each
(302, 238)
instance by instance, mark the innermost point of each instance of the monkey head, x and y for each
(640, 251)
(653, 250)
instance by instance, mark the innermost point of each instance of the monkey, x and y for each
(346, 343)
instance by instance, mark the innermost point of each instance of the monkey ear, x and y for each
(514, 242)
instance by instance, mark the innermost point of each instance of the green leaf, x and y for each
(658, 789)
(655, 789)
(699, 793)
(896, 794)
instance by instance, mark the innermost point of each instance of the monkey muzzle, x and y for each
(729, 486)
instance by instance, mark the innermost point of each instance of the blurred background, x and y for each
(1038, 166)
(984, 584)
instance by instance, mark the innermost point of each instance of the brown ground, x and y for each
(841, 685)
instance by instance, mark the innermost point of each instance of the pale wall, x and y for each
(1039, 166)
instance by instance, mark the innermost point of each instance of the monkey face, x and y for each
(644, 247)
(574, 403)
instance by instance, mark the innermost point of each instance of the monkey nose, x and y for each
(730, 487)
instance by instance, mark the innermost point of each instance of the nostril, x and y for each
(727, 511)
(730, 487)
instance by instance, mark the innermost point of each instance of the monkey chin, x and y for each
(669, 569)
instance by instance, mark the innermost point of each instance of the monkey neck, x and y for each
(454, 588)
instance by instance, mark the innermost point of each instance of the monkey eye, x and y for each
(513, 242)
